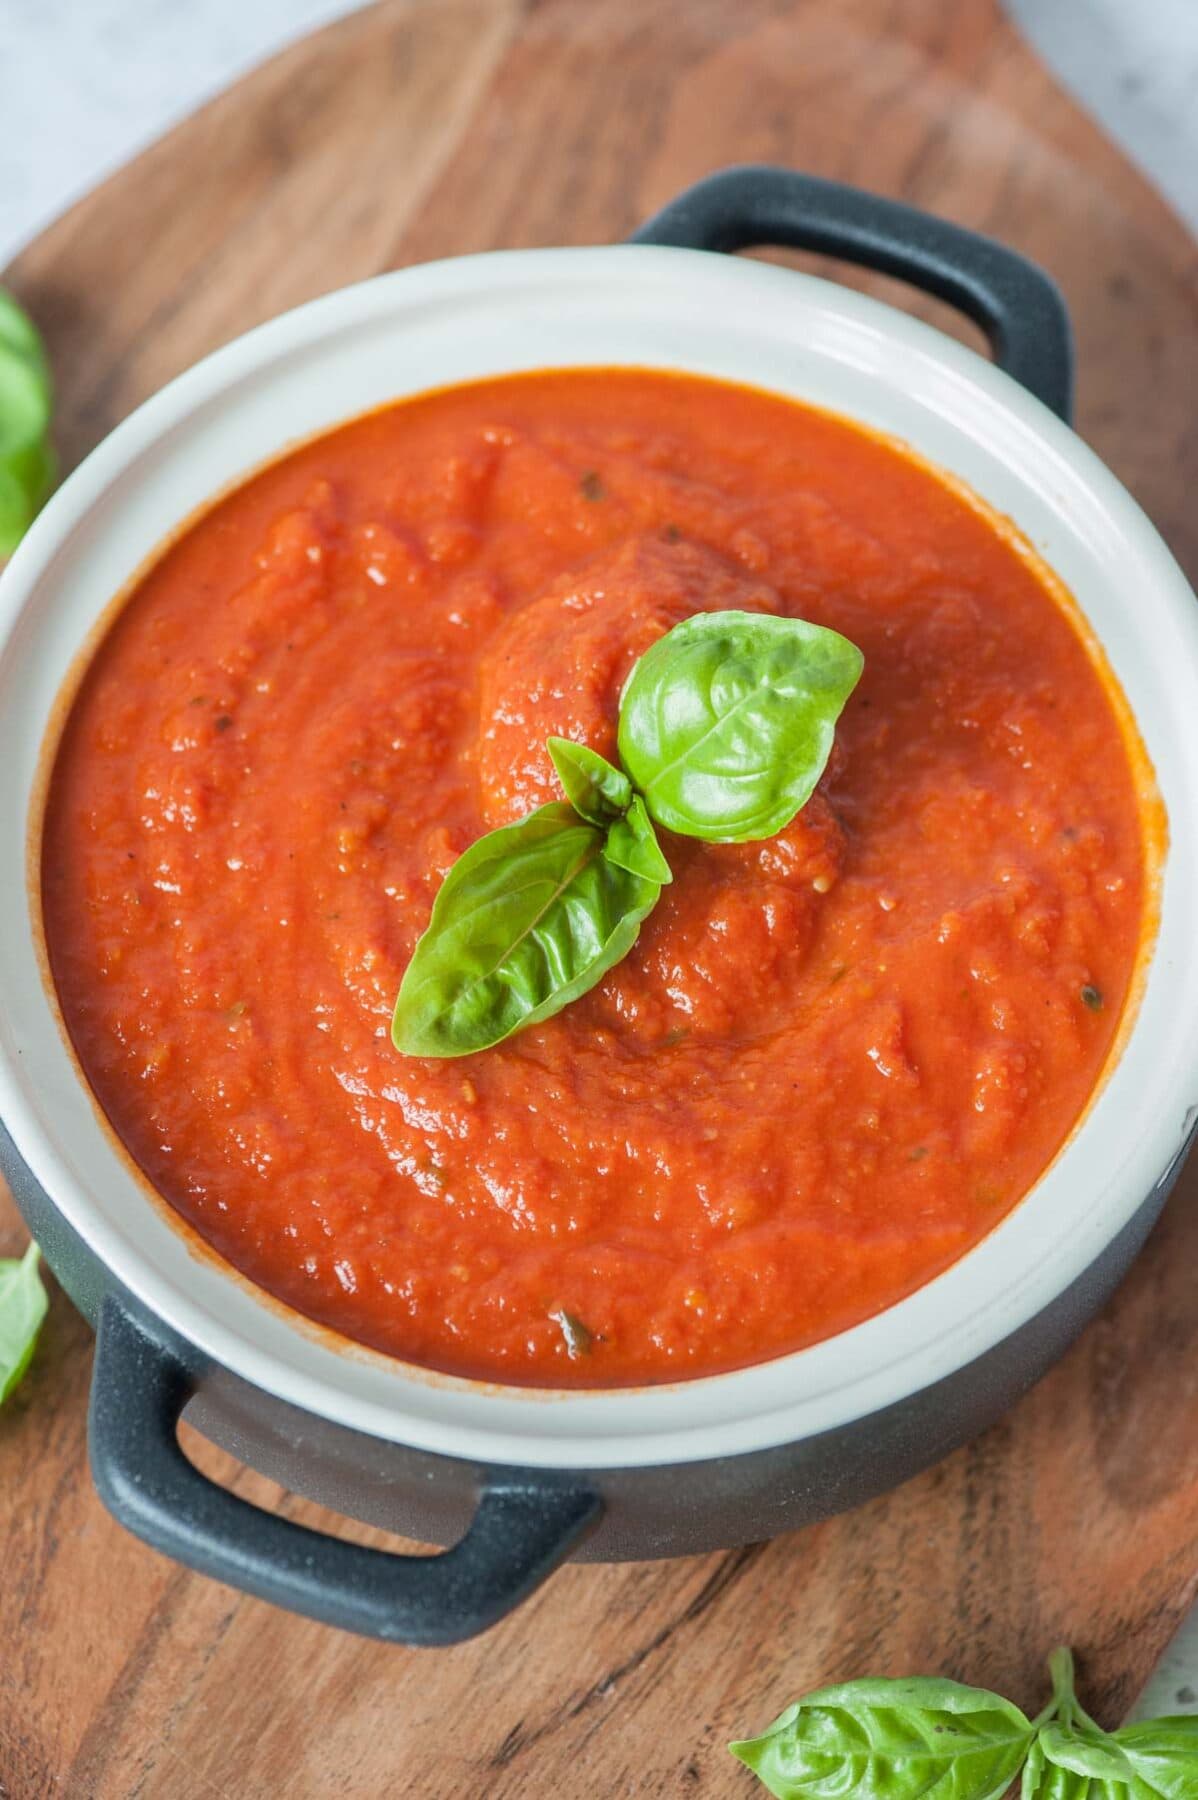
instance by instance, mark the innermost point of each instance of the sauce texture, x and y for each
(833, 1060)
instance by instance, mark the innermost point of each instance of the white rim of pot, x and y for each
(711, 315)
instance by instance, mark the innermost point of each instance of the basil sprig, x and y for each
(896, 1740)
(22, 1308)
(1075, 1759)
(27, 465)
(725, 728)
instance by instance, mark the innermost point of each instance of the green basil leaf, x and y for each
(23, 1306)
(26, 459)
(726, 724)
(1156, 1760)
(632, 844)
(892, 1740)
(529, 918)
(1033, 1773)
(595, 788)
(1043, 1780)
(1164, 1754)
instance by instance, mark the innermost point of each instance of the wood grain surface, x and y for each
(421, 130)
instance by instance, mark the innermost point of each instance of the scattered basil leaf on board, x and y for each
(529, 918)
(894, 1740)
(726, 723)
(1075, 1759)
(1156, 1760)
(23, 1306)
(595, 788)
(1042, 1780)
(632, 844)
(897, 1739)
(27, 465)
(1066, 1764)
(1164, 1754)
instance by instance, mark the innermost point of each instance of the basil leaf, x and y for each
(1164, 1754)
(595, 788)
(23, 1306)
(1043, 1780)
(1156, 1760)
(726, 724)
(26, 459)
(632, 844)
(529, 918)
(892, 1740)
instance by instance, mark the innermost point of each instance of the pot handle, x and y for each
(524, 1527)
(1017, 305)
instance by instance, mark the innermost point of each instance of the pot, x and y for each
(517, 1479)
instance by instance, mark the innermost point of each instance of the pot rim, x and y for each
(816, 341)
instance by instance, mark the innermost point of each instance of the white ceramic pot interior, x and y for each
(671, 309)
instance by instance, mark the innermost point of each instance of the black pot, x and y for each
(938, 1368)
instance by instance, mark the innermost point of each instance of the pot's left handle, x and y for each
(523, 1528)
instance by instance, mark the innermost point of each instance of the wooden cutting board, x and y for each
(421, 130)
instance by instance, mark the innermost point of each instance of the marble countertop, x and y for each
(83, 87)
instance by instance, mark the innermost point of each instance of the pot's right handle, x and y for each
(1016, 304)
(525, 1525)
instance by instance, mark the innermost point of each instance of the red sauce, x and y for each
(833, 1060)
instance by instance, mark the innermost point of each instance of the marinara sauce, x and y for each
(833, 1060)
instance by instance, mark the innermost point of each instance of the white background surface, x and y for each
(85, 83)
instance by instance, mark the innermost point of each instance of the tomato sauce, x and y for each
(833, 1060)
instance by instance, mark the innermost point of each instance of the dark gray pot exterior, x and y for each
(657, 1511)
